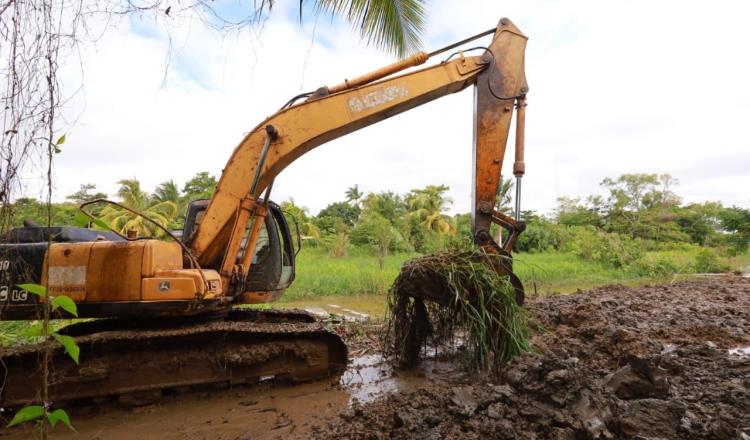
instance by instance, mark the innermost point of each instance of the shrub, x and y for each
(541, 236)
(614, 249)
(706, 261)
(337, 244)
(658, 267)
(374, 230)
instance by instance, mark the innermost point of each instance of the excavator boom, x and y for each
(329, 113)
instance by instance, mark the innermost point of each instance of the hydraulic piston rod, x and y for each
(519, 166)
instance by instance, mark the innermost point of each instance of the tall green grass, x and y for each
(318, 274)
(358, 274)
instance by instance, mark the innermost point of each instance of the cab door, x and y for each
(273, 268)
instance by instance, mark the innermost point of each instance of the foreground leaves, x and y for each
(36, 289)
(69, 344)
(59, 415)
(27, 414)
(65, 303)
(34, 412)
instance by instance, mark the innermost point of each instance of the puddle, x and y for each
(668, 348)
(349, 313)
(370, 377)
(317, 311)
(329, 310)
(742, 352)
(352, 306)
(367, 378)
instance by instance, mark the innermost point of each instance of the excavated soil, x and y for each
(654, 362)
(657, 362)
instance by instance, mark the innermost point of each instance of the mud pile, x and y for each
(615, 362)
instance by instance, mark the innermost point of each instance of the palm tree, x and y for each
(167, 191)
(502, 203)
(504, 196)
(132, 196)
(353, 195)
(427, 205)
(393, 25)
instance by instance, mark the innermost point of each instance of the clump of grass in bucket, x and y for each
(438, 295)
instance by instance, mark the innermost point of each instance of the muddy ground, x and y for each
(654, 362)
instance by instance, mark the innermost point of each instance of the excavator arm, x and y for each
(331, 112)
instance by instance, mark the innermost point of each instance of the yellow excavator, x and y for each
(170, 320)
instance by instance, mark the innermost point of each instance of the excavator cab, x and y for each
(273, 266)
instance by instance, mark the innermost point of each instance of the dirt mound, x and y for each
(614, 362)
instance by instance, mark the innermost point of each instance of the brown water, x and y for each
(265, 411)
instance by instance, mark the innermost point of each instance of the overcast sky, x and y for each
(615, 87)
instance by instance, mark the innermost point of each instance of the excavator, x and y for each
(169, 311)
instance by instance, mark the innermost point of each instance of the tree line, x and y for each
(166, 206)
(644, 208)
(637, 212)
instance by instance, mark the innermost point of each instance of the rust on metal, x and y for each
(411, 61)
(127, 356)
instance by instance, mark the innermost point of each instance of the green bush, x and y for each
(706, 261)
(338, 245)
(374, 230)
(542, 236)
(659, 267)
(675, 246)
(614, 249)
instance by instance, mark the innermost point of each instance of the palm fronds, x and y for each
(393, 25)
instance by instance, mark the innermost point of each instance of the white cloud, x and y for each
(616, 87)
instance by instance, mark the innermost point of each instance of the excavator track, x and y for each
(132, 360)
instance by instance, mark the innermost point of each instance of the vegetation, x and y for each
(467, 296)
(166, 205)
(638, 230)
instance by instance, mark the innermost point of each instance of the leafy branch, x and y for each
(42, 413)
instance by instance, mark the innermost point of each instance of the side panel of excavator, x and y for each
(108, 276)
(100, 274)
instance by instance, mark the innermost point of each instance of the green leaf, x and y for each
(71, 348)
(101, 224)
(27, 413)
(59, 415)
(33, 330)
(60, 140)
(36, 289)
(66, 304)
(82, 220)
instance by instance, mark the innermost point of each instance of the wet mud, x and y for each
(653, 362)
(615, 362)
